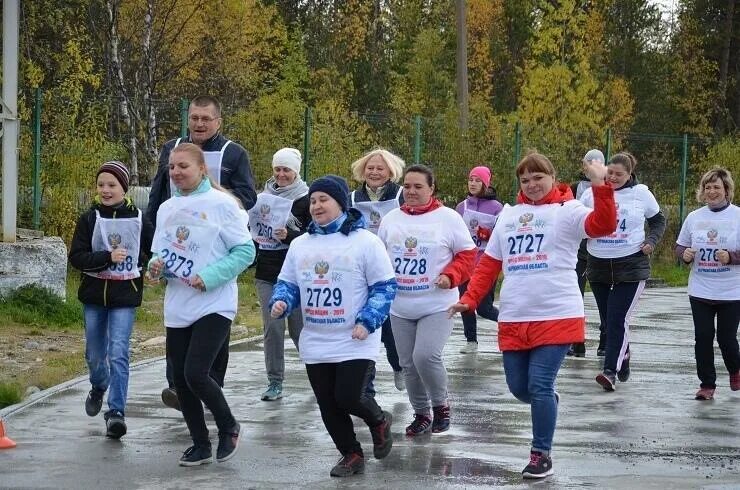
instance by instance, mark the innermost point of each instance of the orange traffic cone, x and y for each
(5, 441)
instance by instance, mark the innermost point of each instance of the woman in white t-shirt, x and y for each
(341, 278)
(710, 242)
(541, 314)
(619, 264)
(432, 253)
(200, 246)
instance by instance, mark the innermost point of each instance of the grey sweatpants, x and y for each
(274, 332)
(420, 344)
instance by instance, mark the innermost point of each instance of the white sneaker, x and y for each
(399, 380)
(470, 348)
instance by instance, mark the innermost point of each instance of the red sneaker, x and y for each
(735, 381)
(704, 394)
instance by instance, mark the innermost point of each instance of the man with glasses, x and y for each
(228, 164)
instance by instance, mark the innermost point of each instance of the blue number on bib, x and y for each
(265, 231)
(707, 254)
(326, 297)
(418, 266)
(172, 259)
(528, 241)
(623, 224)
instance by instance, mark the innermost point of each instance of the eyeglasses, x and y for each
(204, 119)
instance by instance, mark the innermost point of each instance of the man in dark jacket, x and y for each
(227, 161)
(228, 164)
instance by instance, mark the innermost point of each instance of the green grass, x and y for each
(672, 274)
(10, 394)
(38, 307)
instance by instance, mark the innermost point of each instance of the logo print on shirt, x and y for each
(114, 239)
(265, 210)
(526, 218)
(374, 217)
(321, 268)
(473, 224)
(182, 233)
(411, 243)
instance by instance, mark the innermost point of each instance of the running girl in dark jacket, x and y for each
(109, 247)
(619, 264)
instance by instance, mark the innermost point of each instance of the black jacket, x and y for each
(632, 268)
(390, 190)
(106, 292)
(269, 262)
(236, 174)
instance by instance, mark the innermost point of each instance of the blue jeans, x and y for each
(531, 375)
(107, 335)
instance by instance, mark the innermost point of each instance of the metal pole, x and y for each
(462, 63)
(516, 156)
(306, 142)
(417, 139)
(684, 172)
(10, 121)
(184, 117)
(608, 143)
(37, 159)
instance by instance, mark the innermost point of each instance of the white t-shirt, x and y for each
(420, 247)
(193, 232)
(538, 247)
(707, 232)
(333, 273)
(634, 204)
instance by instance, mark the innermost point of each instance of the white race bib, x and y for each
(528, 241)
(474, 219)
(415, 259)
(186, 243)
(325, 282)
(110, 234)
(269, 213)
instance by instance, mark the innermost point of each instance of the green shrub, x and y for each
(36, 306)
(10, 394)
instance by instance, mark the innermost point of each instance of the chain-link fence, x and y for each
(331, 138)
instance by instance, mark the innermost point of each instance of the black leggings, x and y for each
(728, 316)
(192, 351)
(341, 391)
(218, 371)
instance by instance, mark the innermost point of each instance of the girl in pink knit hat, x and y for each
(479, 211)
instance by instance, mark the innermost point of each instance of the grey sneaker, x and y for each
(399, 380)
(115, 424)
(273, 392)
(470, 348)
(94, 402)
(169, 398)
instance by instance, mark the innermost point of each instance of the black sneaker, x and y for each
(93, 402)
(600, 352)
(539, 466)
(115, 424)
(441, 421)
(169, 398)
(382, 437)
(607, 380)
(420, 425)
(624, 373)
(579, 349)
(196, 455)
(228, 443)
(350, 464)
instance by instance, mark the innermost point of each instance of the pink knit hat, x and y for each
(483, 173)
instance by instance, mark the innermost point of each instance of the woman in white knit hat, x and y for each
(279, 216)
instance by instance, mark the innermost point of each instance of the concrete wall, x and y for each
(34, 260)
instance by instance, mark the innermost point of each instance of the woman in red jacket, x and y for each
(535, 243)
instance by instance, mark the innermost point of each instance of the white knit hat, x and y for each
(289, 158)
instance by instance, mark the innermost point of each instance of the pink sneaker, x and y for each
(735, 381)
(704, 394)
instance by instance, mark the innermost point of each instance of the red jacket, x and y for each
(530, 334)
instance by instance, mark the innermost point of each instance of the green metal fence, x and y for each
(331, 138)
